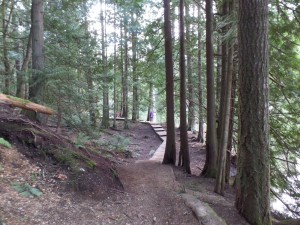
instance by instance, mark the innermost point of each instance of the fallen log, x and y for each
(25, 104)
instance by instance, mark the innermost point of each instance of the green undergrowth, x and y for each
(48, 144)
(26, 190)
(117, 144)
(4, 143)
(93, 144)
(82, 139)
(74, 160)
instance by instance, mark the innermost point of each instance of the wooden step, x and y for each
(156, 126)
(162, 133)
(159, 129)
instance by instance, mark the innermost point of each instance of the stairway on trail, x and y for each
(162, 134)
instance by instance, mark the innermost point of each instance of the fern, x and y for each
(26, 190)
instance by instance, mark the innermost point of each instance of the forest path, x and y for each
(154, 190)
(155, 195)
(160, 151)
(156, 187)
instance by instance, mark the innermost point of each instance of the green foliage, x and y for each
(21, 100)
(26, 190)
(5, 143)
(284, 105)
(81, 140)
(68, 158)
(74, 72)
(74, 160)
(117, 143)
(91, 164)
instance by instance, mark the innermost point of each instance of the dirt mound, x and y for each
(70, 167)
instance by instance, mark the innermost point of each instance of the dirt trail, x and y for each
(155, 194)
(151, 193)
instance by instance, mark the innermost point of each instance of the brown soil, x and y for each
(150, 192)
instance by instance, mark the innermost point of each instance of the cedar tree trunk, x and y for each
(170, 152)
(253, 178)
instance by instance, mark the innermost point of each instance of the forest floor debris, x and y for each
(150, 194)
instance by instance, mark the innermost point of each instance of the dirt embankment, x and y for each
(97, 185)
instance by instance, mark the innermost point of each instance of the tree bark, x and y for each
(121, 43)
(38, 60)
(253, 178)
(224, 70)
(190, 85)
(115, 70)
(105, 84)
(150, 106)
(211, 136)
(234, 63)
(225, 103)
(135, 94)
(25, 104)
(21, 75)
(184, 156)
(91, 98)
(223, 144)
(170, 152)
(125, 75)
(200, 137)
(5, 26)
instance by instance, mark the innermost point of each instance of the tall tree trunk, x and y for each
(232, 65)
(211, 136)
(223, 144)
(91, 99)
(38, 60)
(184, 156)
(150, 105)
(224, 113)
(200, 137)
(122, 66)
(232, 112)
(22, 75)
(223, 75)
(190, 86)
(18, 64)
(135, 95)
(115, 70)
(218, 77)
(125, 76)
(170, 152)
(253, 178)
(5, 32)
(105, 84)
